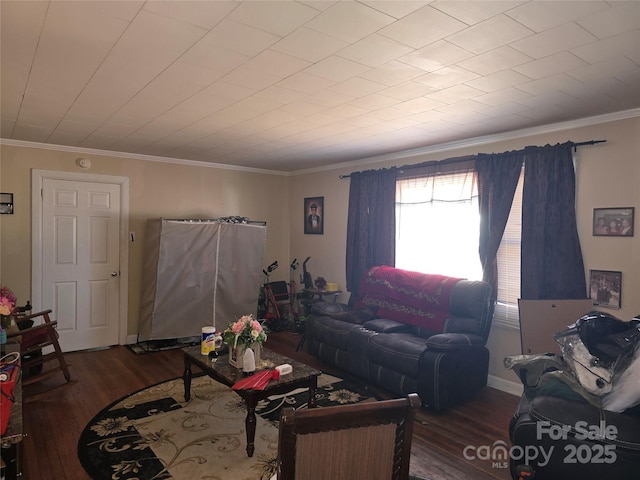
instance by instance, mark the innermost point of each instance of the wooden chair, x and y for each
(33, 338)
(361, 441)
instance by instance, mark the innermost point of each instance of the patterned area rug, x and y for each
(155, 434)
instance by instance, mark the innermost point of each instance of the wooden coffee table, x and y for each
(302, 376)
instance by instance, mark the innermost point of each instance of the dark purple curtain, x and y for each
(371, 225)
(551, 257)
(498, 176)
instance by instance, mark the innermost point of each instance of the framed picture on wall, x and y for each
(314, 215)
(613, 222)
(606, 288)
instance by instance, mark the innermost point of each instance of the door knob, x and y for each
(114, 274)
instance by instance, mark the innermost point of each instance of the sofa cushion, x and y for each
(400, 352)
(341, 311)
(384, 325)
(413, 298)
(330, 331)
(445, 342)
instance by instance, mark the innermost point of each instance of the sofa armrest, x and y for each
(447, 342)
(585, 420)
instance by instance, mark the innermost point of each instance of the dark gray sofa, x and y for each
(444, 368)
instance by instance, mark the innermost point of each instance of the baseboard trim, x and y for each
(514, 388)
(132, 339)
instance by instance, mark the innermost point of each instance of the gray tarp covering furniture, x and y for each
(198, 273)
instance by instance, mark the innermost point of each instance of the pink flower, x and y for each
(237, 327)
(256, 326)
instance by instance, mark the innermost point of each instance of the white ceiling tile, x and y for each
(345, 111)
(493, 33)
(474, 12)
(435, 56)
(328, 99)
(504, 109)
(303, 108)
(549, 86)
(422, 27)
(265, 69)
(373, 102)
(494, 61)
(308, 45)
(625, 44)
(501, 97)
(540, 16)
(388, 113)
(374, 51)
(553, 41)
(392, 73)
(621, 69)
(349, 21)
(455, 94)
(176, 84)
(407, 90)
(498, 81)
(280, 95)
(146, 48)
(234, 81)
(239, 38)
(397, 8)
(336, 68)
(305, 83)
(201, 14)
(446, 77)
(278, 18)
(356, 87)
(551, 65)
(419, 104)
(621, 18)
(214, 58)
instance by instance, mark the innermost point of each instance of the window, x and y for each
(437, 224)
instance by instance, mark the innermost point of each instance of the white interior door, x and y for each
(81, 260)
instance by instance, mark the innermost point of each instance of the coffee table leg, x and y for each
(250, 424)
(186, 377)
(313, 384)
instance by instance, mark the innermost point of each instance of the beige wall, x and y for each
(608, 175)
(156, 190)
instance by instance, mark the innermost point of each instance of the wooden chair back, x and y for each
(348, 442)
(37, 332)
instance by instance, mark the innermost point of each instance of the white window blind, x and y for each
(509, 262)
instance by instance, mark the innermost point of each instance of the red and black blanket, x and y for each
(409, 297)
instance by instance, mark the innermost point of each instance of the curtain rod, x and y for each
(466, 159)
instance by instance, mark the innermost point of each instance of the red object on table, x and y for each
(257, 381)
(10, 371)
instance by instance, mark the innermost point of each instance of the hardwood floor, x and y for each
(54, 423)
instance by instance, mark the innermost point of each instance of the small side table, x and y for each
(322, 293)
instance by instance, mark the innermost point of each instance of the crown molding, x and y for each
(136, 156)
(476, 141)
(396, 156)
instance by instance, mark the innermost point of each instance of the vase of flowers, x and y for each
(7, 306)
(246, 332)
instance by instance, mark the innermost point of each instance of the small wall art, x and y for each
(613, 222)
(606, 288)
(314, 215)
